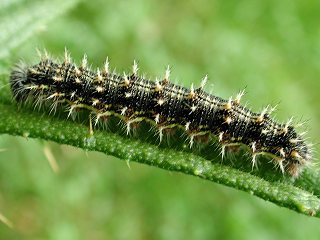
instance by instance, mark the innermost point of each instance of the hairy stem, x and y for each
(299, 196)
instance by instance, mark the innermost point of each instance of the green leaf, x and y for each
(20, 20)
(33, 124)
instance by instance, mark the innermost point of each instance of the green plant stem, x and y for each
(32, 124)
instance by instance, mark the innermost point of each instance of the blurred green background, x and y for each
(270, 48)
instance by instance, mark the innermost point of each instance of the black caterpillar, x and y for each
(134, 99)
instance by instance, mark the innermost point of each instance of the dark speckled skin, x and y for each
(134, 99)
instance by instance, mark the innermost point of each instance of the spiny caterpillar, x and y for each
(133, 99)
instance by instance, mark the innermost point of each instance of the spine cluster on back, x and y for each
(134, 99)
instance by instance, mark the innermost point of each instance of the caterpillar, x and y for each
(133, 99)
